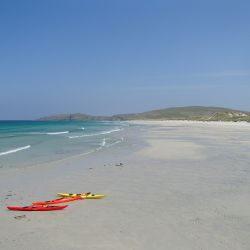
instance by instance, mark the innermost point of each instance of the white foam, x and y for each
(103, 142)
(50, 133)
(58, 133)
(14, 150)
(76, 136)
(96, 134)
(116, 142)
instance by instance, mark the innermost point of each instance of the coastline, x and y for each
(182, 185)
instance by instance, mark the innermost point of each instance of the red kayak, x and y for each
(56, 201)
(37, 208)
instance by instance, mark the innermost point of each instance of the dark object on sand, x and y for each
(19, 217)
(119, 165)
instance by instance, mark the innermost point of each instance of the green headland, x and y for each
(192, 113)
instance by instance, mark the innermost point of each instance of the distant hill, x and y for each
(196, 113)
(75, 117)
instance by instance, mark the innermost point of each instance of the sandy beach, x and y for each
(181, 186)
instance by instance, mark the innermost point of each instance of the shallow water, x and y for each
(25, 143)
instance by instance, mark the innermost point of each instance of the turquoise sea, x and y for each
(27, 143)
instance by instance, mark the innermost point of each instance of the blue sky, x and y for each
(111, 56)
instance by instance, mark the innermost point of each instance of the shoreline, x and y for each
(184, 186)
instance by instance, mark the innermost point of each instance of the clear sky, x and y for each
(112, 56)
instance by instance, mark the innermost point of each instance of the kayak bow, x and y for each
(56, 201)
(82, 195)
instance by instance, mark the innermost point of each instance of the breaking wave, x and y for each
(95, 134)
(116, 142)
(50, 133)
(103, 142)
(14, 150)
(58, 133)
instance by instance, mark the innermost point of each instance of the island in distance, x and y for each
(192, 113)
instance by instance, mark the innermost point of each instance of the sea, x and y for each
(29, 143)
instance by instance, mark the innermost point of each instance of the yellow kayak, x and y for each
(83, 195)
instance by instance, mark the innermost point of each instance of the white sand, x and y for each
(170, 150)
(184, 185)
